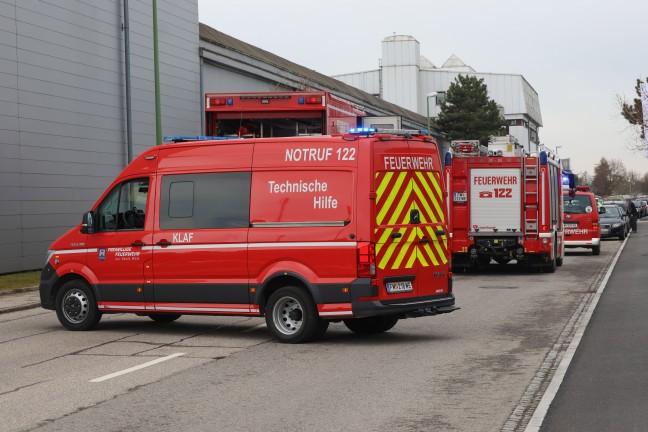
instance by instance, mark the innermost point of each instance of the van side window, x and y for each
(214, 200)
(125, 207)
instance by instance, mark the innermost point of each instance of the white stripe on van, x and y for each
(275, 245)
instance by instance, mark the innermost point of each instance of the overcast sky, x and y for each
(577, 54)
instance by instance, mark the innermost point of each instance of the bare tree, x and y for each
(610, 177)
(632, 111)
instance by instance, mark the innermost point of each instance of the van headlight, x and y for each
(50, 253)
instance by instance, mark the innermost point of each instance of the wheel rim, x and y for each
(75, 306)
(287, 315)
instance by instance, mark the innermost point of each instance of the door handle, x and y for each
(164, 243)
(424, 240)
(396, 235)
(439, 232)
(138, 243)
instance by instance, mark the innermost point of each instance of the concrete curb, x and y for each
(29, 305)
(20, 308)
(18, 290)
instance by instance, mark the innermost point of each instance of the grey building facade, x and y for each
(63, 107)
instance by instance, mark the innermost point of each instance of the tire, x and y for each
(622, 236)
(292, 317)
(164, 317)
(559, 261)
(551, 267)
(76, 307)
(596, 250)
(371, 325)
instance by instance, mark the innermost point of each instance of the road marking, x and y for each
(135, 368)
(543, 407)
(251, 329)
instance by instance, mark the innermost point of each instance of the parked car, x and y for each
(641, 208)
(614, 221)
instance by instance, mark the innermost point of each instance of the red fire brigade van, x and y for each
(303, 230)
(581, 222)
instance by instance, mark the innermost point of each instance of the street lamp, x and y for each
(427, 103)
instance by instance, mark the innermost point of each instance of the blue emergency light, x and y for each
(362, 130)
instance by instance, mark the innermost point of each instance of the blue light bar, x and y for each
(300, 100)
(175, 138)
(362, 130)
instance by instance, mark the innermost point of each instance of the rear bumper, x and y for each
(406, 308)
(583, 243)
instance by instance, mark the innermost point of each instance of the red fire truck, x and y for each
(504, 204)
(279, 114)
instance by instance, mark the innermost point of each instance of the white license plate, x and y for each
(399, 287)
(571, 225)
(460, 197)
(605, 231)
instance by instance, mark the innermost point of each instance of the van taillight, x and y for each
(366, 259)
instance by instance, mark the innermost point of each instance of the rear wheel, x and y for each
(371, 325)
(596, 250)
(164, 318)
(551, 267)
(76, 307)
(291, 316)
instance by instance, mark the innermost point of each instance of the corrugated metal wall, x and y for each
(62, 107)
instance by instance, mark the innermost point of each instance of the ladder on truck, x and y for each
(530, 183)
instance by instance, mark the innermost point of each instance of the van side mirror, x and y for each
(601, 210)
(87, 223)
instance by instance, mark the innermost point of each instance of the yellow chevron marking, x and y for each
(391, 197)
(432, 196)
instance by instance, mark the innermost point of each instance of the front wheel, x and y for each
(76, 307)
(596, 250)
(371, 325)
(291, 316)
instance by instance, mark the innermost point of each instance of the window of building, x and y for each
(125, 207)
(215, 200)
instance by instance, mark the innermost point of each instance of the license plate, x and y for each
(460, 197)
(571, 225)
(399, 287)
(605, 231)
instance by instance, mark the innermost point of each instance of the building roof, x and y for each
(320, 80)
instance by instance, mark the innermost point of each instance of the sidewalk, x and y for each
(19, 299)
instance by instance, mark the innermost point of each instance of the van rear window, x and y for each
(215, 200)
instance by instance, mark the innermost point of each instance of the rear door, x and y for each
(409, 243)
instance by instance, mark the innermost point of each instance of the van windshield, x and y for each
(580, 204)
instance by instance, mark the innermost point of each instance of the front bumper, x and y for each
(46, 287)
(612, 232)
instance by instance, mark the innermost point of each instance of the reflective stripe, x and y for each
(397, 194)
(74, 251)
(349, 313)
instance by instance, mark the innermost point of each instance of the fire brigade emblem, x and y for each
(102, 254)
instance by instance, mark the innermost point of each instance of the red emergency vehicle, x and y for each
(303, 230)
(279, 114)
(582, 228)
(504, 204)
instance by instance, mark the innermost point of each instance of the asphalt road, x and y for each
(605, 388)
(472, 370)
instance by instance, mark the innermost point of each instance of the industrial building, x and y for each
(411, 81)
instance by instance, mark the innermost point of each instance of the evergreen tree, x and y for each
(467, 113)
